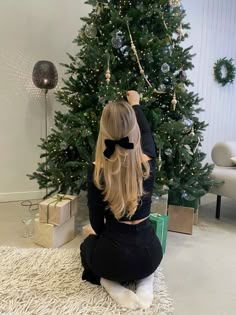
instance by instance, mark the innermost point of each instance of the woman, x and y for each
(120, 183)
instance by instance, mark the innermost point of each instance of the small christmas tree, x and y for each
(122, 47)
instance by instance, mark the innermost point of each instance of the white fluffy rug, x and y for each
(48, 282)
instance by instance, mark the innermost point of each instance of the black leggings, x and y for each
(123, 252)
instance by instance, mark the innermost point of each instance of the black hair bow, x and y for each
(111, 144)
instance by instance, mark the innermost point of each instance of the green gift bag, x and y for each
(160, 225)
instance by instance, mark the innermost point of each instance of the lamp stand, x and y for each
(46, 127)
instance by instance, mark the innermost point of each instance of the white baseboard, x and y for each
(24, 195)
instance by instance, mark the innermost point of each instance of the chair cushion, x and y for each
(222, 153)
(228, 175)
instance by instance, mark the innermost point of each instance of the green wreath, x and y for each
(230, 71)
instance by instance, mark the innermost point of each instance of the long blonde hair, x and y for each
(121, 176)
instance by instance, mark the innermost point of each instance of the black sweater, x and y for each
(98, 208)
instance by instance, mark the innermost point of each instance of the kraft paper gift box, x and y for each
(159, 204)
(52, 236)
(181, 219)
(160, 225)
(175, 198)
(58, 209)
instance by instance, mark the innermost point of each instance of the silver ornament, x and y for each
(124, 51)
(90, 30)
(187, 196)
(167, 80)
(63, 146)
(168, 152)
(102, 100)
(176, 73)
(168, 49)
(117, 40)
(187, 123)
(161, 88)
(182, 76)
(165, 68)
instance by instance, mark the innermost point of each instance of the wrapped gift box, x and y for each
(175, 198)
(160, 225)
(159, 204)
(181, 219)
(52, 236)
(58, 209)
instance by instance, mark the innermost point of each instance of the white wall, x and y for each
(31, 30)
(213, 25)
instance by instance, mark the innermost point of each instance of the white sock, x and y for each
(122, 296)
(144, 291)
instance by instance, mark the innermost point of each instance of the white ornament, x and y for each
(174, 3)
(180, 31)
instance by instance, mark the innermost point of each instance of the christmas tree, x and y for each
(121, 47)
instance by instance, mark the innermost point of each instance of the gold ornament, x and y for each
(108, 72)
(192, 133)
(159, 161)
(108, 76)
(174, 101)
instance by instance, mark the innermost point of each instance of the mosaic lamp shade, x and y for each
(45, 75)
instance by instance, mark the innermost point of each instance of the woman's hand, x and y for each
(133, 97)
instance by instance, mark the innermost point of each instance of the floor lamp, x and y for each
(45, 77)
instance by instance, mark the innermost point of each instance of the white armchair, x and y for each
(224, 170)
